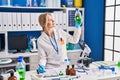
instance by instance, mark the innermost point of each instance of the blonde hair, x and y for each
(43, 20)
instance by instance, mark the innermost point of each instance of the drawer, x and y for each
(34, 59)
(33, 66)
(74, 55)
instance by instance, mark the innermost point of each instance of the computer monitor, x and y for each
(2, 41)
(18, 42)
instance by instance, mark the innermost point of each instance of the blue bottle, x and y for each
(20, 68)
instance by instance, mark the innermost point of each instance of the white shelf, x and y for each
(11, 55)
(70, 51)
(10, 65)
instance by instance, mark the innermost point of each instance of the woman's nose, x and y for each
(52, 20)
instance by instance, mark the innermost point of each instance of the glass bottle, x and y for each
(67, 70)
(72, 71)
(12, 77)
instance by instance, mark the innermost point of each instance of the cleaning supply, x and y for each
(20, 68)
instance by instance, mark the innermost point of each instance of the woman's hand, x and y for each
(41, 69)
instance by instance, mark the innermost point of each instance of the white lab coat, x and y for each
(47, 54)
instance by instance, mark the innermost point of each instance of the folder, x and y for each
(49, 3)
(55, 13)
(60, 19)
(14, 21)
(57, 3)
(32, 21)
(64, 21)
(4, 19)
(19, 24)
(0, 21)
(25, 21)
(9, 21)
(37, 25)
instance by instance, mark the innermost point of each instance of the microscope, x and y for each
(84, 59)
(34, 46)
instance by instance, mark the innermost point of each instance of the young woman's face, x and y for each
(50, 23)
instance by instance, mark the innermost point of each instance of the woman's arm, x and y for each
(42, 55)
(75, 37)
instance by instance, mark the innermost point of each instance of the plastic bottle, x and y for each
(78, 18)
(28, 3)
(6, 2)
(35, 3)
(42, 3)
(20, 68)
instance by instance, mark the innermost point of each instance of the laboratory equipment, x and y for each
(6, 2)
(35, 3)
(28, 3)
(72, 71)
(84, 59)
(78, 18)
(5, 61)
(34, 46)
(67, 70)
(12, 76)
(42, 3)
(69, 3)
(20, 68)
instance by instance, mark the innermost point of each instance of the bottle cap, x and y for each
(20, 57)
(12, 73)
(72, 66)
(67, 66)
(19, 60)
(76, 9)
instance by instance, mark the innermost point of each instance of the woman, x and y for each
(52, 43)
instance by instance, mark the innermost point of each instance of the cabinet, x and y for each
(19, 20)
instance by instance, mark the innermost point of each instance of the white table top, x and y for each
(92, 74)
